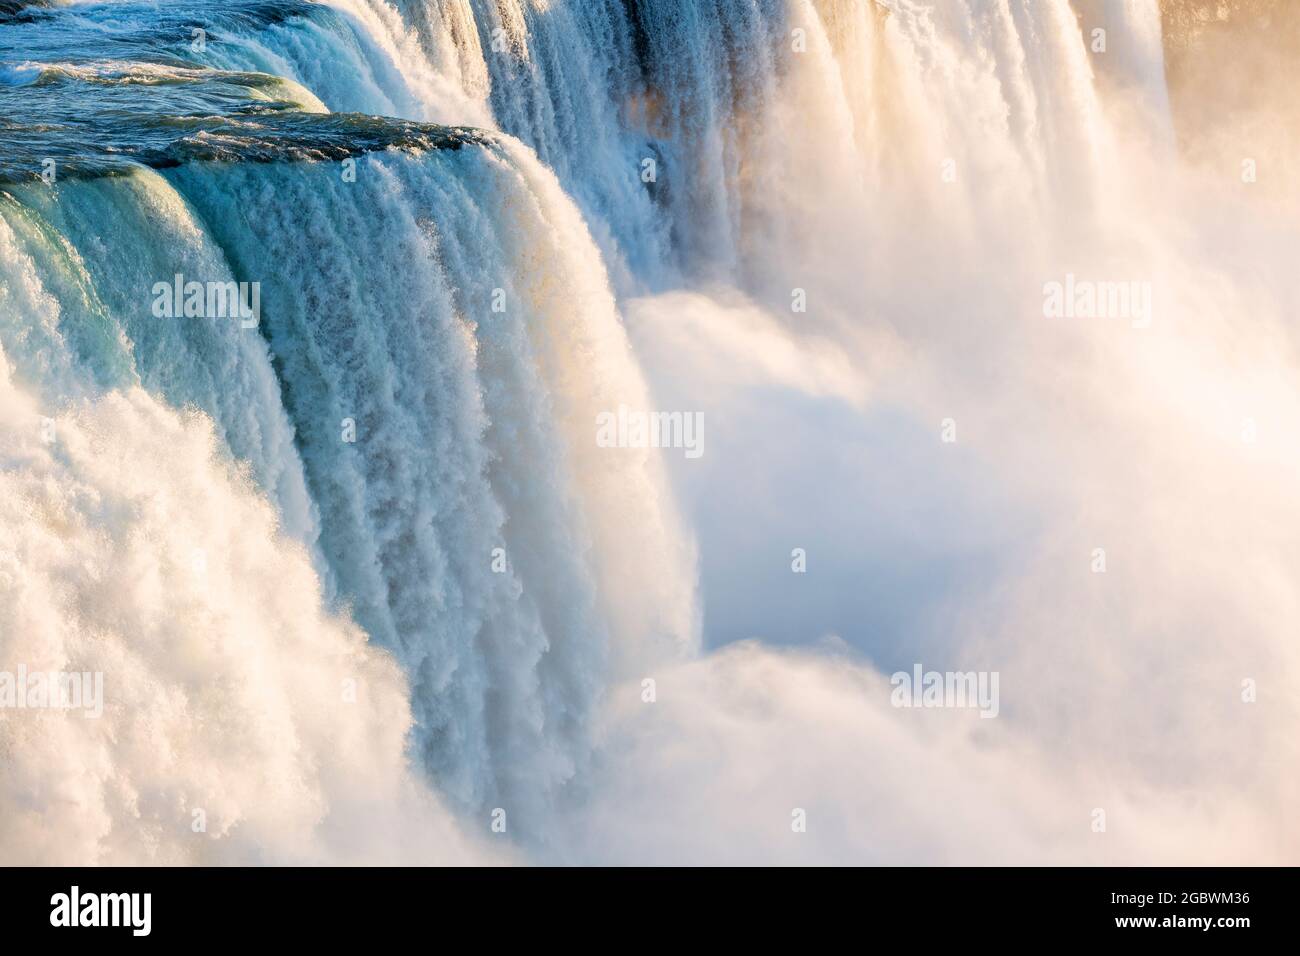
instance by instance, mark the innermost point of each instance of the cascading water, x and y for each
(435, 337)
(470, 224)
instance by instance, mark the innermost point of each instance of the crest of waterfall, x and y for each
(701, 137)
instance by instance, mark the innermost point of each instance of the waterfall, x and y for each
(418, 399)
(357, 553)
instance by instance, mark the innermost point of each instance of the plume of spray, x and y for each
(988, 162)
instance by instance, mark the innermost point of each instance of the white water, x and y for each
(823, 168)
(225, 737)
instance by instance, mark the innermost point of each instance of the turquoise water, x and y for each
(101, 87)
